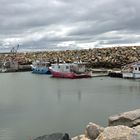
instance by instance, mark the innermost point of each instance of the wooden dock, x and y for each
(99, 74)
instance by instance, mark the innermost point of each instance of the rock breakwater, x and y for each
(121, 127)
(116, 131)
(113, 57)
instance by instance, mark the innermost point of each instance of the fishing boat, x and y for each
(131, 70)
(9, 63)
(40, 67)
(70, 70)
(9, 66)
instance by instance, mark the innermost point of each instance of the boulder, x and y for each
(93, 130)
(137, 132)
(80, 137)
(117, 133)
(131, 118)
(54, 136)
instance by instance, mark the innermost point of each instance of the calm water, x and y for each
(33, 105)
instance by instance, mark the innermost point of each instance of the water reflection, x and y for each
(133, 85)
(79, 95)
(127, 86)
(61, 93)
(6, 134)
(134, 88)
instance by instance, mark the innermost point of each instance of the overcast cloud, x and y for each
(68, 24)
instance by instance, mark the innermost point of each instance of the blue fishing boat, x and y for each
(41, 67)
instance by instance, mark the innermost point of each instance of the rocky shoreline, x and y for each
(113, 57)
(124, 126)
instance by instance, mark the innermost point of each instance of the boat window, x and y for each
(136, 68)
(59, 67)
(139, 68)
(67, 67)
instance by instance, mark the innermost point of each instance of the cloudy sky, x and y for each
(68, 24)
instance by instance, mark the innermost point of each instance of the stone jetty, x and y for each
(123, 126)
(113, 57)
(125, 129)
(131, 119)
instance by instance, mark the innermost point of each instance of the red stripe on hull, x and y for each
(69, 75)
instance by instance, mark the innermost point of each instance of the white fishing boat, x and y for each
(131, 70)
(9, 66)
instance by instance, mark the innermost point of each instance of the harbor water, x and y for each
(32, 105)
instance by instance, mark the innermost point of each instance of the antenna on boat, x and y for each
(78, 59)
(57, 61)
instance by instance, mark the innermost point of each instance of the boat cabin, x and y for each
(136, 68)
(41, 64)
(69, 67)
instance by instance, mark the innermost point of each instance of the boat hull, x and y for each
(131, 75)
(69, 75)
(41, 71)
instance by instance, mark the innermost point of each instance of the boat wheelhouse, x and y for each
(40, 67)
(70, 70)
(131, 70)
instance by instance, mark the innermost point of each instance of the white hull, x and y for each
(131, 75)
